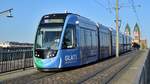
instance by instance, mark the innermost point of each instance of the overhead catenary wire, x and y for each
(134, 10)
(99, 4)
(109, 6)
(102, 5)
(136, 14)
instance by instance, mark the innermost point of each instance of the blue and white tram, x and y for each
(65, 40)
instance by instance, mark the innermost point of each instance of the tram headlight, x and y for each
(51, 54)
(36, 54)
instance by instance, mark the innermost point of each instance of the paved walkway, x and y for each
(131, 74)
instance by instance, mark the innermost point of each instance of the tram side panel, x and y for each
(88, 41)
(104, 39)
(113, 42)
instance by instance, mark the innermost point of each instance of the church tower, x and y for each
(136, 33)
(127, 30)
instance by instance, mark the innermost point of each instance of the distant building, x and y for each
(7, 44)
(143, 44)
(127, 30)
(137, 37)
(4, 44)
(136, 33)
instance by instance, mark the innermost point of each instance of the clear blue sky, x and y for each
(27, 14)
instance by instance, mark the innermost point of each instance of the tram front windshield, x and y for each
(48, 38)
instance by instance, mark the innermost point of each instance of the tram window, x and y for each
(88, 39)
(39, 39)
(94, 39)
(82, 40)
(69, 40)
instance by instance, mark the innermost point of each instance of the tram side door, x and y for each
(70, 49)
(83, 47)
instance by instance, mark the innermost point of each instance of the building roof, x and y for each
(127, 29)
(136, 28)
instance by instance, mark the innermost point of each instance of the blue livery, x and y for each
(67, 40)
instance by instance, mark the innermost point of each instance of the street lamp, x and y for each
(7, 13)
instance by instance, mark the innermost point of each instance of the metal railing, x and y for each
(11, 60)
(145, 72)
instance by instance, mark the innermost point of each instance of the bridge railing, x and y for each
(144, 72)
(14, 60)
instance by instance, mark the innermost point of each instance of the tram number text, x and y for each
(70, 58)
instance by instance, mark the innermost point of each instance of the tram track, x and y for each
(101, 71)
(30, 77)
(108, 73)
(83, 74)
